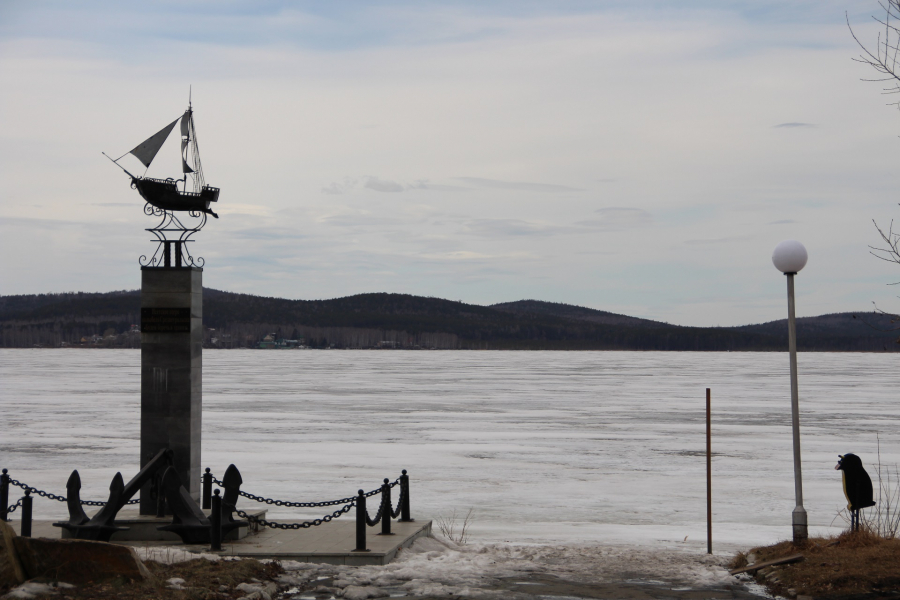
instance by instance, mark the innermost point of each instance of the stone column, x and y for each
(171, 369)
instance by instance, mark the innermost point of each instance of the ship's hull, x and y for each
(164, 194)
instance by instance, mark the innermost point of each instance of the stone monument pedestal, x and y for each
(171, 372)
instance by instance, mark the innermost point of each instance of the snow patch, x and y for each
(169, 555)
(30, 589)
(175, 583)
(356, 592)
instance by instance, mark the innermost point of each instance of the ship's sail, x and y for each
(146, 150)
(185, 140)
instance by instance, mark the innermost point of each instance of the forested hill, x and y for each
(578, 313)
(860, 331)
(404, 321)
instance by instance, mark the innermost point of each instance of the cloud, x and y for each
(519, 186)
(423, 184)
(457, 255)
(268, 233)
(340, 187)
(793, 125)
(244, 209)
(617, 218)
(361, 219)
(30, 222)
(782, 222)
(382, 185)
(369, 182)
(513, 227)
(721, 240)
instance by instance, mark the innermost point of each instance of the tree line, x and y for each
(413, 322)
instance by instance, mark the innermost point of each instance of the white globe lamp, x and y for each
(789, 256)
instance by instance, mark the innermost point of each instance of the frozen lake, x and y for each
(547, 447)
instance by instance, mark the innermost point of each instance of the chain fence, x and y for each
(11, 509)
(349, 503)
(51, 496)
(373, 522)
(289, 504)
(396, 513)
(304, 525)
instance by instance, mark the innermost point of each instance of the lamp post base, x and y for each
(798, 518)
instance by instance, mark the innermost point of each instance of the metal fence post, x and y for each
(4, 495)
(215, 521)
(207, 489)
(26, 513)
(404, 498)
(386, 508)
(361, 522)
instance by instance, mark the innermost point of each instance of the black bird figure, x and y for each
(857, 486)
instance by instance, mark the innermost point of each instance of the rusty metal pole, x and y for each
(708, 476)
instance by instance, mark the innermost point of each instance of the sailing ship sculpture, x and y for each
(164, 198)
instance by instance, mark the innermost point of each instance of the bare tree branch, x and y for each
(885, 60)
(884, 57)
(891, 253)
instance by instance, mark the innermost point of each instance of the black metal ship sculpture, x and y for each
(165, 198)
(164, 193)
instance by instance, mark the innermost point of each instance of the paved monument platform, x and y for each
(144, 528)
(331, 543)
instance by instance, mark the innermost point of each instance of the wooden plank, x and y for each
(769, 563)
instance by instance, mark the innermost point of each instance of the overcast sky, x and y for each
(642, 158)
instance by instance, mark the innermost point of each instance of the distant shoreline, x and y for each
(480, 350)
(404, 322)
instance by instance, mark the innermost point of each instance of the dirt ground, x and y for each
(203, 580)
(856, 565)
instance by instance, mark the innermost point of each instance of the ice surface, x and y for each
(548, 447)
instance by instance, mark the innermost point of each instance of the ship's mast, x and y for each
(186, 142)
(199, 181)
(192, 152)
(189, 116)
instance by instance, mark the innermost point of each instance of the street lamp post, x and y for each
(789, 257)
